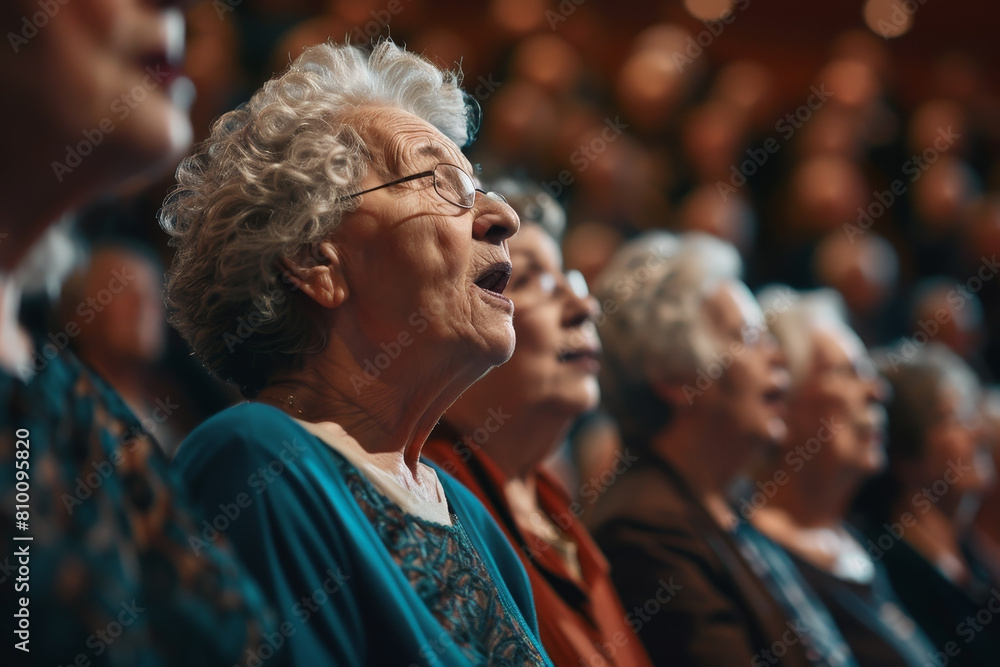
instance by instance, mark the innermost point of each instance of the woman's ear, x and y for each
(318, 275)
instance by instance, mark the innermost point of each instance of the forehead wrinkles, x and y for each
(421, 149)
(401, 144)
(393, 136)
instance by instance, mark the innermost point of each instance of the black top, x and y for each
(874, 623)
(962, 622)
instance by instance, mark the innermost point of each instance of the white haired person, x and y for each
(697, 386)
(800, 498)
(337, 261)
(93, 530)
(918, 514)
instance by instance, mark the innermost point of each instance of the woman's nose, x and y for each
(579, 309)
(495, 220)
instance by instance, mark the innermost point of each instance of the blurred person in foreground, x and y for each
(123, 331)
(835, 441)
(337, 262)
(107, 577)
(697, 386)
(495, 438)
(918, 514)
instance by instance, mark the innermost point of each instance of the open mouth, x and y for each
(163, 62)
(776, 395)
(494, 278)
(587, 360)
(872, 432)
(161, 68)
(577, 355)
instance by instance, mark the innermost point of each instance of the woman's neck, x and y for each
(517, 438)
(390, 415)
(936, 537)
(522, 497)
(537, 526)
(813, 497)
(123, 374)
(708, 458)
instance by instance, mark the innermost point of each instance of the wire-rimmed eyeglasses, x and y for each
(451, 182)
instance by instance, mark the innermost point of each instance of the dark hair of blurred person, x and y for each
(495, 438)
(696, 384)
(918, 514)
(800, 499)
(93, 103)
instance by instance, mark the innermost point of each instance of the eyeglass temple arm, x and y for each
(405, 179)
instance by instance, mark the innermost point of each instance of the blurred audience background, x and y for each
(853, 146)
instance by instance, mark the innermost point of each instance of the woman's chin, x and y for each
(777, 430)
(152, 141)
(503, 353)
(503, 346)
(482, 358)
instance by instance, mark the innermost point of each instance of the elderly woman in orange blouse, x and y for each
(495, 438)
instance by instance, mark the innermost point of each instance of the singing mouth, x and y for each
(494, 278)
(578, 354)
(870, 431)
(776, 395)
(164, 61)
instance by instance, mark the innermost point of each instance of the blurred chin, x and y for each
(583, 399)
(776, 430)
(153, 140)
(593, 395)
(877, 461)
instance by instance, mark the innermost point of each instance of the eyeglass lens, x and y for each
(455, 185)
(548, 283)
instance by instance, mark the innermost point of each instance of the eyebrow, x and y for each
(435, 151)
(432, 150)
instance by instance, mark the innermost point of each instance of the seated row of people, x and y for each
(383, 488)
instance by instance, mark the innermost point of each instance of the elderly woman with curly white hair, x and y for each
(336, 261)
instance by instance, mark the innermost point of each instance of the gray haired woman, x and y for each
(336, 260)
(918, 514)
(800, 498)
(697, 385)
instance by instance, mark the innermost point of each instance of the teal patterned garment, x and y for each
(355, 580)
(448, 575)
(112, 579)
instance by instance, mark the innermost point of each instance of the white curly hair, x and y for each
(269, 183)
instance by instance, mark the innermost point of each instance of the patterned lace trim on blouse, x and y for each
(447, 573)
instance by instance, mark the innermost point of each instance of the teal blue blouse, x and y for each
(354, 579)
